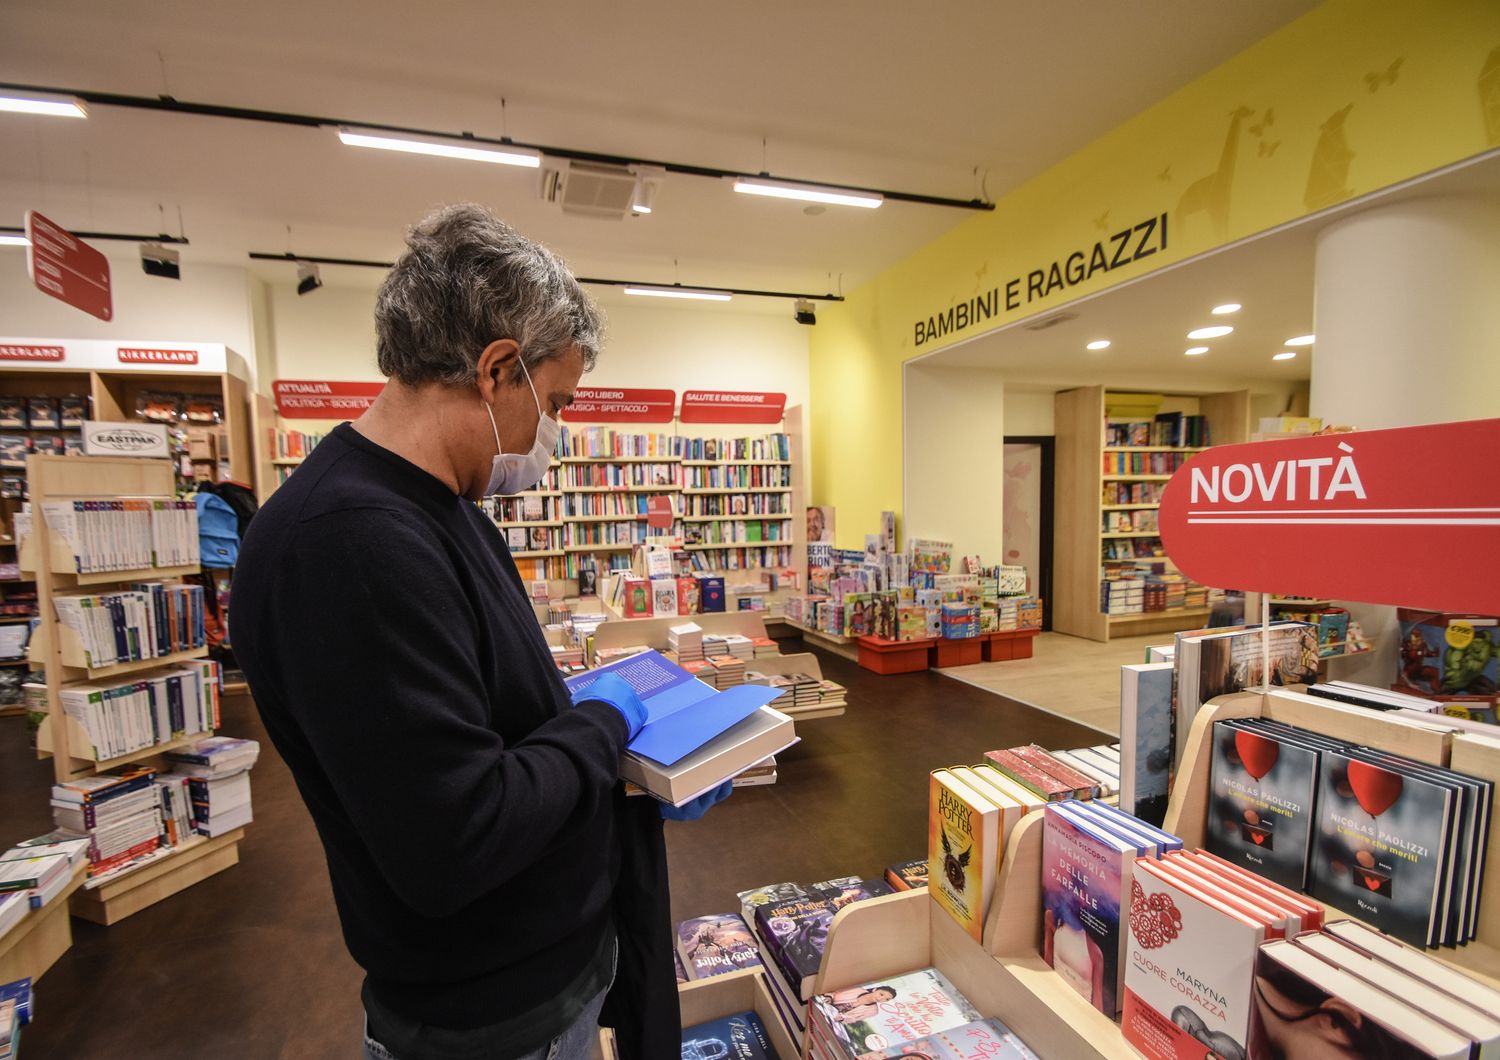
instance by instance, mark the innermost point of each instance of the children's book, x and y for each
(891, 1011)
(963, 836)
(712, 945)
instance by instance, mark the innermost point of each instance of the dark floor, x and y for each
(250, 963)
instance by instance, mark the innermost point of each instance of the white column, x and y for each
(1407, 317)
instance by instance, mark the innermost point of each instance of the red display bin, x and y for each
(882, 656)
(1010, 644)
(964, 652)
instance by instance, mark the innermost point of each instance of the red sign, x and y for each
(659, 514)
(136, 355)
(1409, 517)
(731, 406)
(67, 268)
(621, 405)
(303, 399)
(30, 353)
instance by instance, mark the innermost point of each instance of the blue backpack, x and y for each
(218, 532)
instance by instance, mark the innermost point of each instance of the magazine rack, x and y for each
(58, 650)
(1007, 978)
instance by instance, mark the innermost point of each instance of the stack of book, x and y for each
(1042, 773)
(605, 656)
(761, 774)
(799, 690)
(568, 658)
(40, 877)
(734, 644)
(763, 647)
(148, 621)
(728, 671)
(686, 641)
(712, 945)
(1100, 762)
(119, 812)
(125, 716)
(220, 805)
(791, 927)
(1399, 843)
(215, 758)
(918, 1014)
(907, 875)
(14, 905)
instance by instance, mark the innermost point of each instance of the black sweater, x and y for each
(468, 811)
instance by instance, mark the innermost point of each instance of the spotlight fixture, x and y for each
(679, 292)
(1300, 340)
(1210, 333)
(1193, 351)
(648, 181)
(1284, 355)
(9, 239)
(803, 310)
(1226, 308)
(786, 189)
(47, 103)
(309, 277)
(1098, 344)
(441, 146)
(157, 260)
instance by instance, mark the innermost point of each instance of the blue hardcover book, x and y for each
(21, 993)
(1166, 840)
(682, 712)
(711, 594)
(1085, 810)
(740, 1037)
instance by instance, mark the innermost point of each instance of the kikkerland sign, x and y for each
(1409, 517)
(101, 438)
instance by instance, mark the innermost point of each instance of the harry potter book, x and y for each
(712, 945)
(963, 834)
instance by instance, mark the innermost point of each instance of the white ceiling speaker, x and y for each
(594, 189)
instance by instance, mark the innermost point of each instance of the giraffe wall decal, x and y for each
(1210, 194)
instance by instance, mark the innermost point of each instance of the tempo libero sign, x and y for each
(1409, 517)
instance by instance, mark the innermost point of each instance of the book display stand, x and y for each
(56, 648)
(42, 936)
(1007, 978)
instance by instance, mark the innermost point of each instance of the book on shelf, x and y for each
(152, 708)
(14, 905)
(963, 850)
(10, 1030)
(1147, 735)
(220, 805)
(741, 1036)
(19, 992)
(713, 945)
(215, 757)
(126, 534)
(1262, 784)
(41, 876)
(146, 621)
(888, 1012)
(907, 875)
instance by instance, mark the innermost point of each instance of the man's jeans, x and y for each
(575, 1043)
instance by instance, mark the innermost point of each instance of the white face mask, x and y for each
(515, 472)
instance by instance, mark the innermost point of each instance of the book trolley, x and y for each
(1007, 978)
(57, 648)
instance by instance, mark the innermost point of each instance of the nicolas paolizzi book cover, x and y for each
(1379, 849)
(1261, 803)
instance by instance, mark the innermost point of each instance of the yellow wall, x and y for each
(1353, 97)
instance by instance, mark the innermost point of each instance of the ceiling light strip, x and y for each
(121, 237)
(698, 293)
(215, 110)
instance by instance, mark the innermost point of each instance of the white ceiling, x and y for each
(913, 97)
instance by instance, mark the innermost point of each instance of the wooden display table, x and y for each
(966, 651)
(194, 860)
(883, 656)
(42, 936)
(1008, 644)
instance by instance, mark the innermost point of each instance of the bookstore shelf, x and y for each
(737, 463)
(78, 740)
(115, 897)
(15, 662)
(743, 489)
(134, 666)
(1128, 507)
(616, 546)
(537, 555)
(141, 575)
(620, 460)
(1137, 478)
(287, 461)
(757, 517)
(537, 493)
(709, 545)
(617, 489)
(529, 522)
(10, 620)
(1007, 978)
(1132, 533)
(624, 517)
(40, 937)
(1153, 449)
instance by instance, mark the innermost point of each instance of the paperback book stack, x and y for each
(14, 905)
(918, 1014)
(732, 644)
(728, 671)
(568, 658)
(40, 877)
(121, 717)
(798, 691)
(217, 777)
(125, 535)
(119, 812)
(145, 622)
(1396, 842)
(712, 945)
(1042, 773)
(1101, 763)
(1092, 858)
(791, 927)
(686, 640)
(763, 647)
(970, 815)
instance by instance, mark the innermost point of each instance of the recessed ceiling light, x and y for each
(1098, 344)
(1193, 351)
(1210, 333)
(9, 239)
(1284, 355)
(1300, 340)
(679, 292)
(1227, 307)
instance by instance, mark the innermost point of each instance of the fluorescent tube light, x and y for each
(679, 292)
(785, 189)
(8, 239)
(42, 103)
(1210, 333)
(1193, 351)
(1227, 307)
(1098, 344)
(1284, 355)
(441, 146)
(1300, 340)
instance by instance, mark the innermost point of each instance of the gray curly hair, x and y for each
(468, 278)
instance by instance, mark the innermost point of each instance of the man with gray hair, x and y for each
(489, 874)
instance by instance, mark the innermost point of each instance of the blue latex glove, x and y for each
(616, 691)
(699, 806)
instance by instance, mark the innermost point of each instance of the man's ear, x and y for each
(494, 366)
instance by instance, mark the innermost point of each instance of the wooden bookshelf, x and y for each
(41, 937)
(1006, 977)
(1080, 533)
(55, 646)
